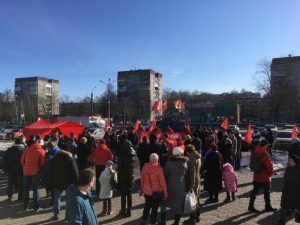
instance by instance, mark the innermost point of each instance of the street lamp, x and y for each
(92, 101)
(108, 86)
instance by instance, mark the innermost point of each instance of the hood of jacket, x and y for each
(260, 150)
(227, 167)
(151, 168)
(63, 153)
(180, 160)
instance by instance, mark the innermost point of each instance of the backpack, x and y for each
(255, 163)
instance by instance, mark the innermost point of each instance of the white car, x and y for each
(98, 133)
(283, 140)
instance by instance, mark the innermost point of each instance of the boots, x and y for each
(177, 219)
(197, 216)
(269, 208)
(251, 207)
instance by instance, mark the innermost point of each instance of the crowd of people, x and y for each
(169, 169)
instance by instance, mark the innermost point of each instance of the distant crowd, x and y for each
(170, 172)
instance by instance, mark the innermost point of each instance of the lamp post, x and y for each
(92, 101)
(108, 86)
(22, 116)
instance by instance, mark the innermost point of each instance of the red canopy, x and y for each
(45, 127)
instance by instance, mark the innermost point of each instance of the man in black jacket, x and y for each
(63, 172)
(12, 166)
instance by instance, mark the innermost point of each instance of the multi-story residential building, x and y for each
(285, 88)
(140, 89)
(37, 96)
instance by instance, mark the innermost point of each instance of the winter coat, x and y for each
(194, 165)
(197, 143)
(230, 178)
(83, 153)
(153, 179)
(212, 170)
(126, 168)
(227, 151)
(32, 160)
(49, 156)
(105, 179)
(12, 157)
(265, 176)
(290, 198)
(234, 144)
(73, 148)
(63, 170)
(79, 207)
(133, 138)
(154, 147)
(164, 155)
(143, 154)
(176, 171)
(100, 155)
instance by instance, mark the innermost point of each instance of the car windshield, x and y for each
(284, 135)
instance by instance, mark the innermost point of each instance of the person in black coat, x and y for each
(133, 137)
(154, 146)
(126, 175)
(63, 172)
(83, 153)
(143, 152)
(212, 170)
(12, 166)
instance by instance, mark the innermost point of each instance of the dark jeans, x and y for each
(107, 205)
(33, 181)
(126, 196)
(15, 182)
(266, 187)
(150, 204)
(99, 170)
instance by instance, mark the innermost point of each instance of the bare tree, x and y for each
(262, 77)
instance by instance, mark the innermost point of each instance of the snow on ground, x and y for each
(5, 144)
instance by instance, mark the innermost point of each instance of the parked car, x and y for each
(290, 127)
(98, 133)
(283, 140)
(5, 134)
(233, 127)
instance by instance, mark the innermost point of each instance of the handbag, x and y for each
(156, 195)
(190, 203)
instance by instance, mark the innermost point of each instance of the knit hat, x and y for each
(154, 158)
(109, 163)
(177, 151)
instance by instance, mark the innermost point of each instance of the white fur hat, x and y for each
(177, 151)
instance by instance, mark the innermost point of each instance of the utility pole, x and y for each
(92, 101)
(108, 86)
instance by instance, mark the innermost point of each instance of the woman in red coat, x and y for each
(100, 155)
(262, 179)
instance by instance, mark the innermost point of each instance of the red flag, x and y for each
(295, 131)
(156, 106)
(224, 125)
(165, 106)
(137, 125)
(153, 125)
(187, 128)
(248, 135)
(179, 105)
(106, 125)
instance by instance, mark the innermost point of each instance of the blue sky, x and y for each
(209, 45)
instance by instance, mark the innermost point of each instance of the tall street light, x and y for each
(108, 86)
(92, 101)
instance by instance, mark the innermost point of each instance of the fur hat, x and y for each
(108, 163)
(177, 151)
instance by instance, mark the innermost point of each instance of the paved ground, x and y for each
(217, 214)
